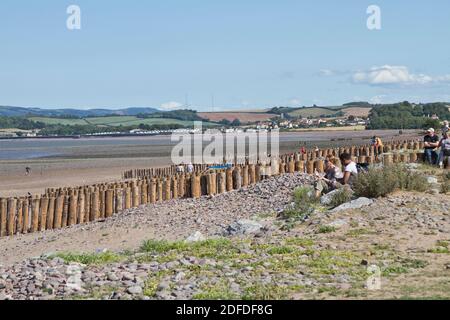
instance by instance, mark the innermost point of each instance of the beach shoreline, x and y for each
(77, 162)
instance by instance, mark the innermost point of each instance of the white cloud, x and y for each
(173, 105)
(395, 75)
(326, 72)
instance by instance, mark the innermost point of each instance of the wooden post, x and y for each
(229, 178)
(81, 211)
(160, 189)
(19, 222)
(50, 213)
(221, 182)
(291, 166)
(128, 198)
(59, 207)
(95, 204)
(182, 186)
(318, 165)
(65, 215)
(309, 167)
(144, 192)
(245, 177)
(35, 215)
(73, 208)
(119, 200)
(404, 157)
(153, 192)
(3, 216)
(195, 186)
(109, 203)
(174, 187)
(212, 183)
(44, 212)
(166, 191)
(413, 157)
(237, 182)
(26, 216)
(12, 206)
(300, 166)
(252, 173)
(282, 167)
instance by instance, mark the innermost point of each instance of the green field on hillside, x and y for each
(117, 121)
(48, 120)
(312, 112)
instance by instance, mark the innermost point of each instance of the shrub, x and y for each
(445, 185)
(302, 206)
(379, 182)
(326, 229)
(341, 196)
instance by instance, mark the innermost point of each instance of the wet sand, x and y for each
(74, 162)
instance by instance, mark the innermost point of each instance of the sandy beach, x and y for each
(74, 162)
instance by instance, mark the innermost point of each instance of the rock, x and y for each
(162, 286)
(195, 237)
(326, 199)
(337, 223)
(136, 290)
(180, 276)
(112, 277)
(242, 227)
(355, 204)
(432, 180)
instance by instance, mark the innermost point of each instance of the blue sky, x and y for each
(244, 53)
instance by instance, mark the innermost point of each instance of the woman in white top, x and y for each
(350, 169)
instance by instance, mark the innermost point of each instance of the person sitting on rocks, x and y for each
(431, 143)
(445, 149)
(350, 169)
(329, 181)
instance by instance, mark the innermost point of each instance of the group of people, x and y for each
(334, 177)
(181, 168)
(436, 149)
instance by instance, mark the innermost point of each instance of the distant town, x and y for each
(40, 123)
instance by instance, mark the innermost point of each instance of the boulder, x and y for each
(355, 204)
(242, 227)
(326, 199)
(195, 237)
(432, 180)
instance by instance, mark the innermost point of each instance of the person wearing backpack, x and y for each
(445, 148)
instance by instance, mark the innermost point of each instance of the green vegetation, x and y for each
(20, 123)
(184, 115)
(302, 207)
(343, 195)
(90, 258)
(407, 116)
(326, 229)
(445, 185)
(379, 182)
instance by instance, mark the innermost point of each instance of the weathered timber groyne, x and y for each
(63, 207)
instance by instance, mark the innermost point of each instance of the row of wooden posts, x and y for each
(59, 208)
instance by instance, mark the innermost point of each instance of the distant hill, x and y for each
(21, 111)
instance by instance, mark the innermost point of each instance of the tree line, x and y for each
(405, 115)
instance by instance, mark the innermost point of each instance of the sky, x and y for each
(222, 55)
